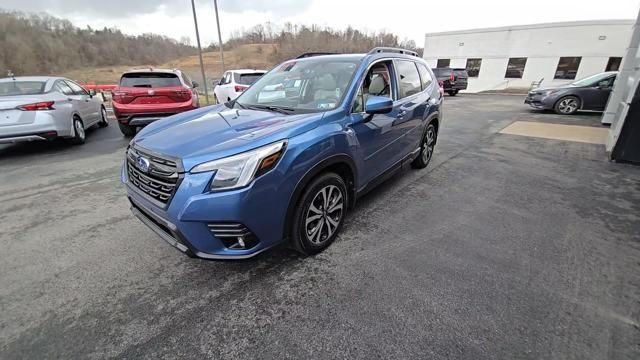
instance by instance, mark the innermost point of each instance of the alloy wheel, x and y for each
(429, 144)
(568, 106)
(79, 128)
(324, 214)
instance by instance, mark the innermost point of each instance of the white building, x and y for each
(514, 57)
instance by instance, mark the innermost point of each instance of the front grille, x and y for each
(235, 236)
(159, 181)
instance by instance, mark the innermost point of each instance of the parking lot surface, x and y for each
(506, 247)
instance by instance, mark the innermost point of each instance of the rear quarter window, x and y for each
(425, 76)
(150, 80)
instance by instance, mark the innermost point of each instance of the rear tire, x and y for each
(319, 214)
(426, 148)
(104, 121)
(127, 130)
(79, 135)
(453, 93)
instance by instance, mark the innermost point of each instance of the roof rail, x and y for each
(379, 49)
(311, 54)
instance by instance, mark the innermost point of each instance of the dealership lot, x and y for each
(507, 246)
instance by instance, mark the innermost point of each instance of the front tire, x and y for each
(426, 148)
(104, 121)
(79, 136)
(453, 93)
(127, 130)
(567, 105)
(319, 214)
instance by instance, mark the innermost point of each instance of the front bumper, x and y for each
(540, 102)
(186, 220)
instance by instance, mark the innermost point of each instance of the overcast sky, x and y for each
(407, 18)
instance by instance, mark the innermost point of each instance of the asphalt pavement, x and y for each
(505, 247)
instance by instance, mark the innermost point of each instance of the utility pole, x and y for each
(204, 78)
(215, 5)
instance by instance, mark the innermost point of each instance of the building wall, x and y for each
(542, 45)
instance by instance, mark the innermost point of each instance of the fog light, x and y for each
(234, 236)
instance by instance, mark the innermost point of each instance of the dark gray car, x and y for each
(591, 93)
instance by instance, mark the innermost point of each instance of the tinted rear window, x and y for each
(247, 79)
(461, 73)
(12, 88)
(150, 80)
(439, 72)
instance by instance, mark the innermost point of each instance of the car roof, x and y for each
(247, 71)
(152, 70)
(32, 78)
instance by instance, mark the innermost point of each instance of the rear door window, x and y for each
(408, 78)
(77, 89)
(62, 87)
(150, 80)
(247, 79)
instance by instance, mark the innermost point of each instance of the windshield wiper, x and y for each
(278, 109)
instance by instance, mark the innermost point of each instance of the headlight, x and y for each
(239, 170)
(549, 92)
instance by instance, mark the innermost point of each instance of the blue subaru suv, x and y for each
(286, 159)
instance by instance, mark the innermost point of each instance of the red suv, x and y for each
(144, 96)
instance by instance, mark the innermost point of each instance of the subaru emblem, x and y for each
(143, 163)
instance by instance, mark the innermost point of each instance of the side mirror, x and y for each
(92, 92)
(378, 105)
(195, 84)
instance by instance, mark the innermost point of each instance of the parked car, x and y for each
(453, 80)
(590, 93)
(146, 95)
(44, 108)
(234, 82)
(233, 180)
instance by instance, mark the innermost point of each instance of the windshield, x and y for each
(308, 85)
(11, 88)
(591, 80)
(150, 80)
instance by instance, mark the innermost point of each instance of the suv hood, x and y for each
(215, 132)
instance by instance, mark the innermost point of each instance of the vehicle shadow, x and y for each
(93, 142)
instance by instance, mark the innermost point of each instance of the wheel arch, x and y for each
(341, 164)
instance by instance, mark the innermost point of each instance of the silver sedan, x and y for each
(44, 108)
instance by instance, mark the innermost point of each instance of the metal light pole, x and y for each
(215, 6)
(204, 78)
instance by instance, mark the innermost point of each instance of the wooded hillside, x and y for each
(41, 44)
(45, 45)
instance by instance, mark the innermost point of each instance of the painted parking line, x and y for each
(583, 134)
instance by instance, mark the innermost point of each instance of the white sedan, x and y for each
(234, 82)
(44, 108)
